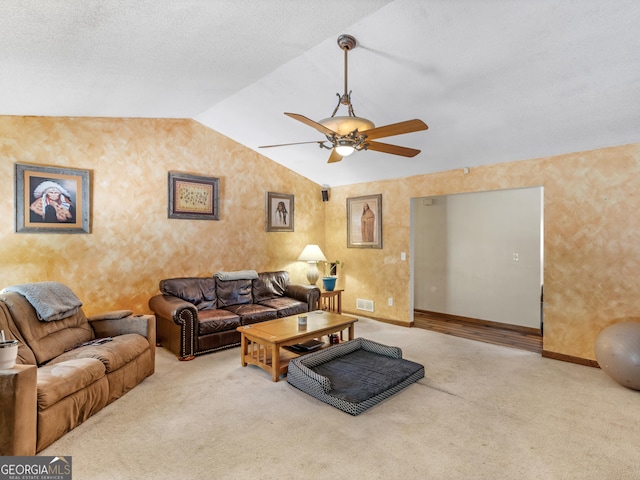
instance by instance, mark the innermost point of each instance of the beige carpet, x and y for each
(481, 412)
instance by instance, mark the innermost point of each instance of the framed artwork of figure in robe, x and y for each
(364, 221)
(51, 199)
(280, 212)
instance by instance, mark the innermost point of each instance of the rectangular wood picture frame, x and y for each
(51, 199)
(193, 197)
(280, 212)
(364, 221)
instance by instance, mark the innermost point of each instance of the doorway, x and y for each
(479, 256)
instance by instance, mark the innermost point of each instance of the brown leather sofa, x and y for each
(57, 384)
(197, 315)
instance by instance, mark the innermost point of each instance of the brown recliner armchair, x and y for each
(57, 382)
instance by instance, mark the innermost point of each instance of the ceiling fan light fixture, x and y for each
(345, 150)
(345, 146)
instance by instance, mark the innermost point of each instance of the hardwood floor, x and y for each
(489, 332)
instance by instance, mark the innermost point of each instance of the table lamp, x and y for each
(312, 255)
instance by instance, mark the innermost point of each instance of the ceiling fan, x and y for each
(347, 134)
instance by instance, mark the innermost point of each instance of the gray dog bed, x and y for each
(355, 375)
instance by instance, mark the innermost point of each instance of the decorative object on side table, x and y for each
(330, 275)
(329, 283)
(312, 255)
(8, 352)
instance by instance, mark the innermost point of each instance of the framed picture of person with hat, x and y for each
(51, 199)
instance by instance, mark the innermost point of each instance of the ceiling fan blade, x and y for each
(408, 126)
(287, 144)
(392, 149)
(334, 157)
(307, 121)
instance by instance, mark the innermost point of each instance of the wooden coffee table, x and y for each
(261, 343)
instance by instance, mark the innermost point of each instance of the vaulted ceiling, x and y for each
(495, 80)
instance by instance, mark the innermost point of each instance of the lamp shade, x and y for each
(312, 253)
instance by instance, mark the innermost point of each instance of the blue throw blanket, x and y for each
(51, 300)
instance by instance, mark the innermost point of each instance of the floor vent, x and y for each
(366, 305)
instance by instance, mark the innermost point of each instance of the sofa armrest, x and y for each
(177, 324)
(310, 294)
(18, 410)
(173, 308)
(106, 326)
(113, 315)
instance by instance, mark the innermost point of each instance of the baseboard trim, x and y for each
(517, 328)
(486, 323)
(570, 358)
(378, 319)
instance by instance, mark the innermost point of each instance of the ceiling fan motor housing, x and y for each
(343, 125)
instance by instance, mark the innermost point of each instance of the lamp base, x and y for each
(312, 273)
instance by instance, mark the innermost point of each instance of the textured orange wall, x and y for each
(132, 244)
(592, 239)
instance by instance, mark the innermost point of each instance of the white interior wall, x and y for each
(478, 255)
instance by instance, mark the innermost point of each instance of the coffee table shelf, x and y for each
(259, 341)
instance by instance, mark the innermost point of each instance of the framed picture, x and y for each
(279, 212)
(364, 222)
(51, 200)
(193, 196)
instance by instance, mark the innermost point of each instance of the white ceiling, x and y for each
(495, 80)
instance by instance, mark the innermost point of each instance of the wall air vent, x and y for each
(366, 305)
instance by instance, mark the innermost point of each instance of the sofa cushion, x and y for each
(233, 292)
(253, 313)
(47, 339)
(196, 290)
(62, 379)
(121, 350)
(286, 306)
(269, 285)
(210, 321)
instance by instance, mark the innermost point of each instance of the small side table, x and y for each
(331, 301)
